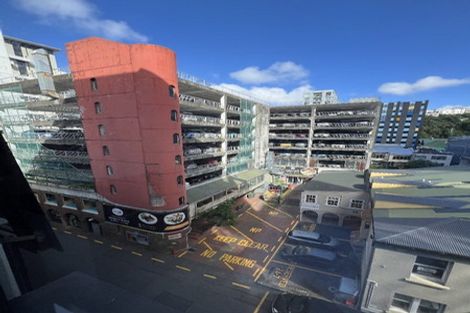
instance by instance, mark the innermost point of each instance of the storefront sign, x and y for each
(158, 222)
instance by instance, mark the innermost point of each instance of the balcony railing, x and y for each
(288, 146)
(197, 153)
(338, 147)
(195, 137)
(288, 136)
(233, 123)
(233, 150)
(290, 125)
(334, 114)
(322, 136)
(344, 125)
(185, 99)
(233, 108)
(279, 116)
(191, 119)
(338, 157)
(202, 169)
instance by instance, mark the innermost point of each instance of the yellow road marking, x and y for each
(256, 272)
(183, 268)
(136, 253)
(276, 209)
(266, 222)
(98, 241)
(238, 231)
(241, 285)
(213, 231)
(200, 241)
(158, 260)
(291, 223)
(208, 253)
(265, 258)
(270, 258)
(209, 276)
(228, 265)
(295, 225)
(67, 232)
(207, 245)
(82, 237)
(279, 239)
(306, 268)
(116, 247)
(182, 254)
(241, 214)
(258, 307)
(286, 230)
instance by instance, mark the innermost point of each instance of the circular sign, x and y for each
(147, 218)
(174, 218)
(117, 211)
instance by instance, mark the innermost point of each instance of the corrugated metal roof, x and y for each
(445, 236)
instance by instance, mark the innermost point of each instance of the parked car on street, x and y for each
(309, 255)
(312, 238)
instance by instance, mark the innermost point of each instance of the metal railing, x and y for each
(233, 108)
(289, 125)
(231, 122)
(200, 101)
(344, 125)
(344, 113)
(340, 136)
(338, 146)
(338, 157)
(197, 119)
(290, 115)
(288, 136)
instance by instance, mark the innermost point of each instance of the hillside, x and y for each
(445, 126)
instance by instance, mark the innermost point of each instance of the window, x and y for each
(179, 180)
(332, 201)
(405, 303)
(174, 115)
(51, 199)
(178, 159)
(430, 268)
(310, 198)
(101, 130)
(357, 204)
(94, 84)
(69, 203)
(172, 91)
(176, 138)
(22, 67)
(89, 206)
(112, 189)
(109, 170)
(106, 150)
(181, 200)
(17, 49)
(98, 107)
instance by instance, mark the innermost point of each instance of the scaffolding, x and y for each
(45, 135)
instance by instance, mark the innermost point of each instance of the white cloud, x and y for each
(271, 95)
(426, 83)
(277, 72)
(83, 15)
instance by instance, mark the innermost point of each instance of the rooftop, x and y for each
(31, 43)
(392, 149)
(337, 181)
(444, 236)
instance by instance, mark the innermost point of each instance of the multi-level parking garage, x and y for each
(335, 136)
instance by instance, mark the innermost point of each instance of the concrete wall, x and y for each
(261, 135)
(390, 268)
(447, 158)
(133, 84)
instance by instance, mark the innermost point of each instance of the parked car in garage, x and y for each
(288, 303)
(309, 255)
(312, 238)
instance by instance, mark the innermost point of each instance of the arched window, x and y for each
(101, 130)
(98, 107)
(176, 138)
(106, 150)
(172, 91)
(94, 84)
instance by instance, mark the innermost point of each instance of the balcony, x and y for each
(233, 123)
(202, 169)
(190, 102)
(343, 114)
(288, 136)
(339, 147)
(233, 109)
(199, 154)
(290, 126)
(352, 125)
(290, 116)
(233, 137)
(199, 120)
(196, 137)
(233, 150)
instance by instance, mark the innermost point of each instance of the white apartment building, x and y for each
(22, 59)
(321, 97)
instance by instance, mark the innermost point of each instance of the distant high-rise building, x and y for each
(22, 59)
(320, 97)
(400, 122)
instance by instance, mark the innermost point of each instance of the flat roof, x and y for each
(31, 43)
(337, 181)
(204, 191)
(392, 148)
(327, 107)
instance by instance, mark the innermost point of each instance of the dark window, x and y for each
(22, 68)
(178, 159)
(69, 203)
(174, 115)
(17, 49)
(112, 189)
(101, 130)
(430, 268)
(106, 150)
(51, 199)
(181, 200)
(94, 84)
(179, 180)
(109, 170)
(98, 107)
(172, 91)
(402, 302)
(176, 138)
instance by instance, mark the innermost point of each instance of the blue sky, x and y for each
(275, 50)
